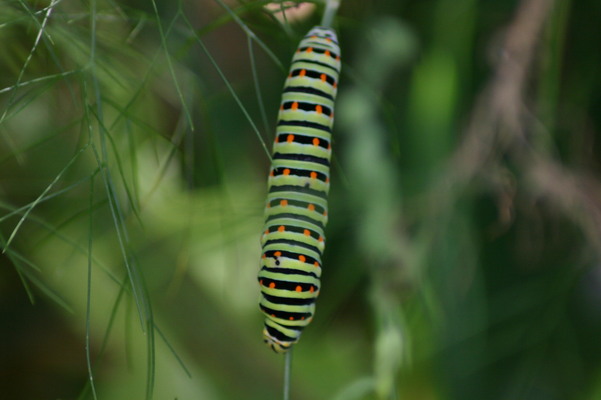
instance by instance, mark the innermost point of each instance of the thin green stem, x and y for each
(250, 33)
(41, 197)
(287, 374)
(284, 17)
(89, 294)
(260, 102)
(171, 67)
(39, 80)
(229, 87)
(101, 154)
(29, 56)
(330, 12)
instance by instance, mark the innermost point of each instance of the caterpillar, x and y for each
(296, 210)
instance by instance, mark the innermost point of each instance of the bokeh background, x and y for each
(463, 258)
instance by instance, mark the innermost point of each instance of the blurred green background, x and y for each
(464, 242)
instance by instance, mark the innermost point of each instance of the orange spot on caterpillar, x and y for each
(266, 231)
(335, 85)
(327, 52)
(316, 264)
(314, 37)
(303, 72)
(329, 147)
(287, 171)
(281, 107)
(277, 254)
(309, 49)
(294, 106)
(264, 255)
(327, 180)
(281, 228)
(299, 288)
(283, 203)
(290, 138)
(315, 142)
(328, 40)
(337, 58)
(261, 282)
(323, 77)
(320, 239)
(318, 109)
(311, 289)
(302, 258)
(272, 285)
(311, 207)
(325, 213)
(307, 232)
(271, 173)
(291, 318)
(313, 174)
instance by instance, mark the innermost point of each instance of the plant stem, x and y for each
(287, 368)
(330, 12)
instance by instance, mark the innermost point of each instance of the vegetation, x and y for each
(464, 240)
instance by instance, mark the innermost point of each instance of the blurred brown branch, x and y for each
(497, 117)
(500, 124)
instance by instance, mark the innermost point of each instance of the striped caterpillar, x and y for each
(296, 211)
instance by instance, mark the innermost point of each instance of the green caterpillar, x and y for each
(296, 212)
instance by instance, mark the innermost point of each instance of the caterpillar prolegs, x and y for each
(296, 211)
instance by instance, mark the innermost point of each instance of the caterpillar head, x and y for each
(275, 344)
(323, 33)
